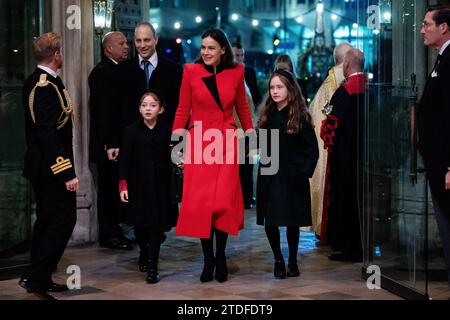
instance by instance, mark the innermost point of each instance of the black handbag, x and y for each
(176, 188)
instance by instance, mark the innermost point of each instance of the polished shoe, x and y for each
(121, 244)
(208, 271)
(152, 276)
(221, 269)
(345, 257)
(55, 287)
(52, 287)
(293, 269)
(279, 270)
(41, 294)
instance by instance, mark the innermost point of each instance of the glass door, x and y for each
(19, 24)
(400, 233)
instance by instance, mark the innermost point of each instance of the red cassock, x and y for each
(212, 194)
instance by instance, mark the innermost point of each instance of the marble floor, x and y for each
(112, 275)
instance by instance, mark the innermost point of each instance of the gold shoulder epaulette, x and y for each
(67, 111)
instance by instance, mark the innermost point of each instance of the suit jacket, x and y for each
(252, 84)
(131, 85)
(48, 129)
(101, 99)
(434, 128)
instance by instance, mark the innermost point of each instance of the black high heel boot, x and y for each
(279, 271)
(208, 270)
(221, 269)
(293, 270)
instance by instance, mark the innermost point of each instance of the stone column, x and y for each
(145, 10)
(73, 20)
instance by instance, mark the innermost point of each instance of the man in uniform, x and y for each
(342, 139)
(318, 113)
(49, 165)
(434, 120)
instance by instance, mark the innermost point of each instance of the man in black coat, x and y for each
(49, 165)
(102, 96)
(434, 120)
(249, 74)
(147, 70)
(341, 134)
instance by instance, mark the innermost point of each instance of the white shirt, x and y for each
(153, 60)
(441, 51)
(48, 70)
(115, 62)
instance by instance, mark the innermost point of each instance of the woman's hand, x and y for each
(124, 196)
(447, 181)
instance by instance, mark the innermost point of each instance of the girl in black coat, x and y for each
(283, 199)
(144, 172)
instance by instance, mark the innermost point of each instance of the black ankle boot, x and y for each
(279, 271)
(221, 269)
(152, 273)
(208, 271)
(293, 269)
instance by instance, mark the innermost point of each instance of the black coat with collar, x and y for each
(284, 198)
(434, 128)
(131, 85)
(101, 98)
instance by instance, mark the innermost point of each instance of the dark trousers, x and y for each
(108, 201)
(56, 218)
(443, 222)
(149, 241)
(246, 175)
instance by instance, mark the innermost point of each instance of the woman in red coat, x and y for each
(212, 204)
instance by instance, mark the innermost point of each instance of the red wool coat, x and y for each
(212, 194)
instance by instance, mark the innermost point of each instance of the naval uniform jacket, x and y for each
(212, 193)
(434, 129)
(48, 125)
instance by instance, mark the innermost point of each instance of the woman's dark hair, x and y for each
(441, 13)
(298, 111)
(227, 60)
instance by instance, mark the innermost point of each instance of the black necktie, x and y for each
(438, 59)
(147, 71)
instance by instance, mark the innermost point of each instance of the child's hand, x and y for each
(124, 196)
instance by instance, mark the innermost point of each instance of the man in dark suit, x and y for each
(147, 70)
(246, 169)
(434, 120)
(102, 96)
(49, 165)
(249, 74)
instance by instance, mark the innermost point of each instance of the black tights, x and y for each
(149, 240)
(208, 245)
(293, 236)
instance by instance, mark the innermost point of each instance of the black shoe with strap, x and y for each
(279, 270)
(293, 270)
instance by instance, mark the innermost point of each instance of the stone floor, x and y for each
(112, 275)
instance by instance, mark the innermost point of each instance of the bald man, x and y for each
(341, 135)
(102, 81)
(322, 101)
